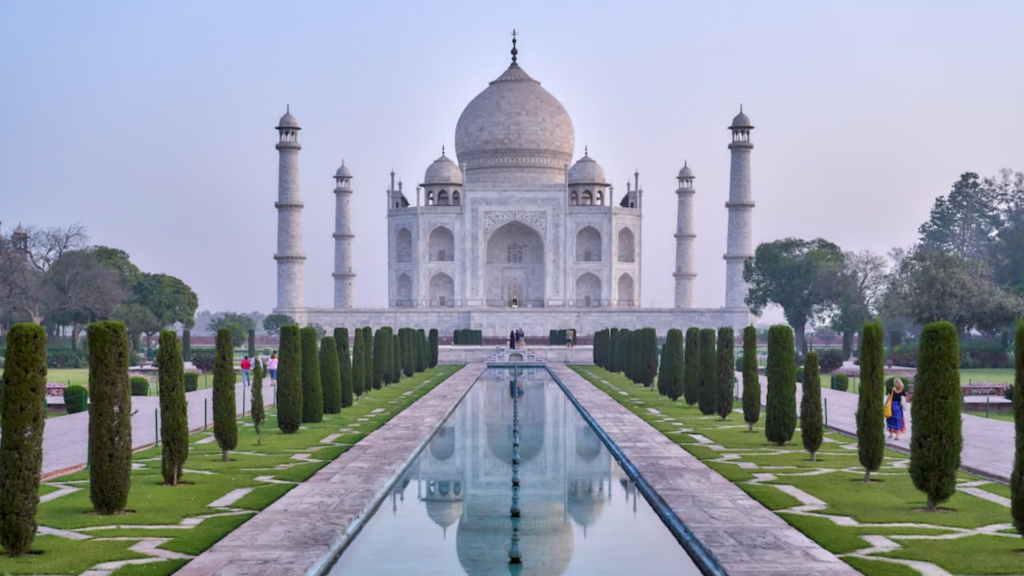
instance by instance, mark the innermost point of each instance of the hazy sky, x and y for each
(152, 123)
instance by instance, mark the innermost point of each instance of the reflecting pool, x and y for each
(450, 512)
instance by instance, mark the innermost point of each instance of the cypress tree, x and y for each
(780, 416)
(691, 367)
(661, 368)
(396, 357)
(110, 420)
(380, 357)
(225, 424)
(433, 347)
(173, 408)
(648, 360)
(1017, 476)
(358, 363)
(708, 372)
(936, 439)
(811, 426)
(408, 351)
(751, 382)
(622, 354)
(368, 360)
(330, 376)
(423, 349)
(870, 406)
(252, 343)
(672, 364)
(345, 365)
(611, 362)
(289, 380)
(23, 417)
(258, 412)
(312, 392)
(726, 372)
(186, 345)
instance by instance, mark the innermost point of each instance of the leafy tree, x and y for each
(345, 363)
(312, 393)
(936, 438)
(225, 424)
(780, 412)
(330, 376)
(258, 412)
(671, 377)
(78, 289)
(708, 375)
(23, 417)
(272, 324)
(245, 321)
(691, 366)
(358, 363)
(963, 223)
(289, 380)
(726, 376)
(236, 331)
(859, 287)
(812, 427)
(798, 275)
(110, 421)
(1017, 476)
(870, 407)
(318, 329)
(751, 382)
(173, 408)
(433, 347)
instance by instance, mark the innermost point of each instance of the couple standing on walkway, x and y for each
(248, 365)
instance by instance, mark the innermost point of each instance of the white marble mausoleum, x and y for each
(511, 233)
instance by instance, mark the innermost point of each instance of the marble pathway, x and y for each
(298, 533)
(745, 536)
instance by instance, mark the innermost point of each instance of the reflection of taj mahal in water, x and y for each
(514, 234)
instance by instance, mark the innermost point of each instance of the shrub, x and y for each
(726, 378)
(751, 381)
(257, 411)
(936, 438)
(691, 367)
(204, 360)
(830, 360)
(330, 376)
(23, 414)
(870, 406)
(110, 421)
(345, 365)
(780, 414)
(1007, 393)
(76, 398)
(289, 380)
(225, 424)
(139, 385)
(312, 393)
(812, 429)
(191, 381)
(840, 382)
(1017, 476)
(173, 408)
(708, 372)
(433, 347)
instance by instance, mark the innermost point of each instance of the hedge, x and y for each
(76, 399)
(173, 408)
(139, 386)
(110, 421)
(840, 382)
(191, 381)
(289, 380)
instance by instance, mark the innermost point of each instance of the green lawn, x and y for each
(165, 507)
(890, 507)
(991, 375)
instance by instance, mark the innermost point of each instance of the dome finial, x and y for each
(514, 51)
(741, 107)
(586, 150)
(442, 149)
(288, 108)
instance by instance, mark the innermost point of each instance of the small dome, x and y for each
(586, 171)
(741, 120)
(685, 172)
(288, 121)
(443, 171)
(343, 172)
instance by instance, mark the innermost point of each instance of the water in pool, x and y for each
(450, 512)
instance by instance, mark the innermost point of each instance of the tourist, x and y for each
(246, 367)
(512, 340)
(895, 423)
(272, 367)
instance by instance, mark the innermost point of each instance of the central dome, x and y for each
(515, 132)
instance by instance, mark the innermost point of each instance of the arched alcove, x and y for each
(403, 290)
(588, 290)
(627, 246)
(441, 290)
(441, 245)
(626, 290)
(403, 246)
(588, 245)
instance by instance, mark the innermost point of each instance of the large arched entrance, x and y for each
(514, 267)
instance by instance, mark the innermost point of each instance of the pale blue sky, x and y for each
(152, 123)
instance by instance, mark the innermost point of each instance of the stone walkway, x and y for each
(300, 533)
(66, 438)
(988, 443)
(745, 536)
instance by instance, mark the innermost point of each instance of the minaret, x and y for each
(343, 235)
(741, 207)
(290, 259)
(685, 273)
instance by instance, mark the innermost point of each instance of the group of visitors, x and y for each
(516, 339)
(570, 337)
(248, 364)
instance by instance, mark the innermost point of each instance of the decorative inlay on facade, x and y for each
(537, 219)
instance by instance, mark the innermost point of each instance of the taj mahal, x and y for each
(512, 233)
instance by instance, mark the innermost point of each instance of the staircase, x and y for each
(517, 356)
